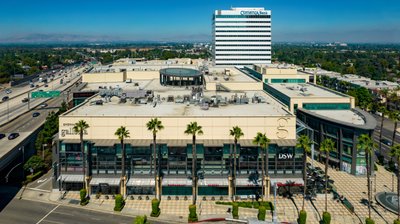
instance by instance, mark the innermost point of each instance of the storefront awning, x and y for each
(105, 142)
(71, 141)
(287, 182)
(141, 182)
(176, 182)
(102, 180)
(246, 182)
(70, 178)
(214, 182)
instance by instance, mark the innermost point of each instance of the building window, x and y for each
(326, 106)
(288, 80)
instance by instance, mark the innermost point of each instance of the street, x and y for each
(26, 211)
(387, 133)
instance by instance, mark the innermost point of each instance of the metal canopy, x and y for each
(109, 181)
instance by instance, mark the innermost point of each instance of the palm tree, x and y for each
(194, 129)
(155, 125)
(304, 143)
(80, 127)
(395, 117)
(236, 133)
(327, 146)
(367, 145)
(395, 152)
(262, 140)
(122, 133)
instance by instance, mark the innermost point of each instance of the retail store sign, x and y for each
(284, 156)
(68, 130)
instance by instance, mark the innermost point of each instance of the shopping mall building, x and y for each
(256, 98)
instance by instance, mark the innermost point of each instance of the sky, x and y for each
(372, 21)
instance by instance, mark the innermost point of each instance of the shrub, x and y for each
(396, 221)
(84, 199)
(369, 221)
(141, 220)
(119, 203)
(375, 167)
(155, 208)
(326, 218)
(192, 214)
(381, 159)
(33, 177)
(261, 213)
(235, 210)
(302, 217)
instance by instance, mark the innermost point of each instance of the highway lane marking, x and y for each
(48, 214)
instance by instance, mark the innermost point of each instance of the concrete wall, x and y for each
(236, 86)
(104, 77)
(217, 127)
(143, 75)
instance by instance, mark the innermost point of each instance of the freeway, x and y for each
(25, 124)
(24, 211)
(14, 106)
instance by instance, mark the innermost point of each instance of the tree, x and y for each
(395, 152)
(194, 129)
(35, 163)
(367, 145)
(155, 125)
(262, 140)
(304, 143)
(122, 133)
(395, 117)
(236, 133)
(81, 127)
(327, 146)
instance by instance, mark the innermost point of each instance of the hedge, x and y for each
(261, 213)
(235, 210)
(155, 208)
(369, 221)
(33, 177)
(141, 220)
(119, 203)
(396, 221)
(84, 199)
(326, 218)
(192, 214)
(302, 217)
(250, 204)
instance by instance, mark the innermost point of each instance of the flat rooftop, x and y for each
(347, 116)
(173, 101)
(294, 90)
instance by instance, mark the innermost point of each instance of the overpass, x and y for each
(28, 127)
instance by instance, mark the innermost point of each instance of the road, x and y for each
(387, 133)
(25, 211)
(14, 106)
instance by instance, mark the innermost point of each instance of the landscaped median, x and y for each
(249, 204)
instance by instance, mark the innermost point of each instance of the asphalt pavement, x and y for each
(387, 133)
(26, 211)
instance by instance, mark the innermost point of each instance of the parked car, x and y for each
(5, 98)
(13, 136)
(8, 91)
(46, 85)
(35, 114)
(386, 142)
(43, 105)
(2, 135)
(24, 100)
